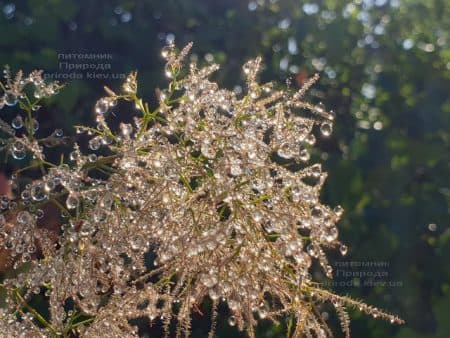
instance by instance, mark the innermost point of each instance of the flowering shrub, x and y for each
(210, 195)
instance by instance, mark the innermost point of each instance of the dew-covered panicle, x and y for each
(218, 190)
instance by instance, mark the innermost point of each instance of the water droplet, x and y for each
(25, 195)
(331, 234)
(49, 185)
(166, 51)
(343, 249)
(126, 129)
(39, 213)
(100, 215)
(95, 143)
(214, 294)
(18, 154)
(235, 170)
(164, 95)
(207, 150)
(304, 155)
(4, 202)
(38, 93)
(262, 313)
(37, 192)
(432, 227)
(259, 185)
(257, 216)
(72, 201)
(17, 122)
(338, 210)
(107, 140)
(17, 146)
(18, 150)
(165, 198)
(25, 217)
(58, 133)
(10, 99)
(320, 108)
(326, 129)
(102, 106)
(26, 257)
(310, 139)
(112, 102)
(316, 170)
(73, 156)
(316, 212)
(312, 250)
(296, 194)
(168, 71)
(232, 321)
(285, 151)
(331, 115)
(35, 125)
(209, 280)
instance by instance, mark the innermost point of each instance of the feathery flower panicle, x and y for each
(218, 188)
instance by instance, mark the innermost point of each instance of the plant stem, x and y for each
(86, 321)
(36, 314)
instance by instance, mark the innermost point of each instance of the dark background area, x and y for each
(384, 67)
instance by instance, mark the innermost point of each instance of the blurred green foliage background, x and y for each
(385, 69)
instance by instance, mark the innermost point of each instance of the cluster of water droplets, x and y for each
(14, 87)
(18, 235)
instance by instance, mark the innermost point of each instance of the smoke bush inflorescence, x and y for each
(216, 188)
